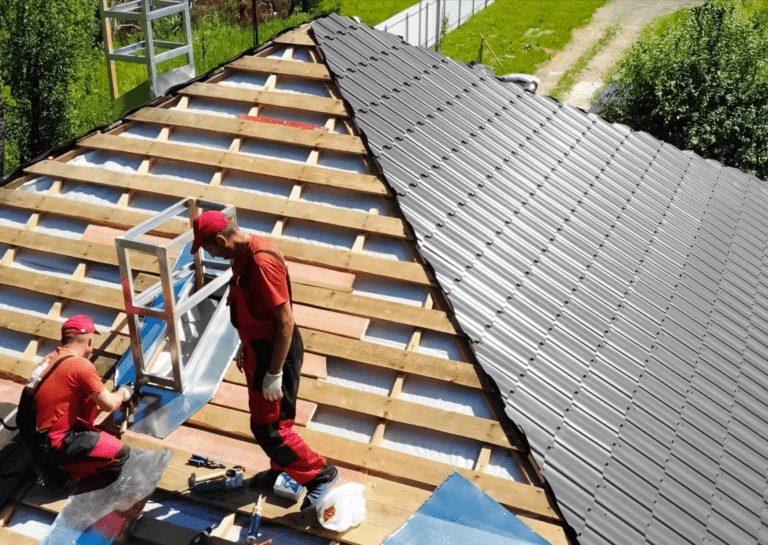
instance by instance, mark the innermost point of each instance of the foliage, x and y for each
(43, 46)
(522, 33)
(373, 12)
(701, 84)
(566, 81)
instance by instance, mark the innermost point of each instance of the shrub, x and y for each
(44, 45)
(700, 84)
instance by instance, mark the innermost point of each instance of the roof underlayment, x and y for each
(390, 391)
(612, 286)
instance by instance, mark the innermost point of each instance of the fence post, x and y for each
(406, 27)
(418, 42)
(458, 23)
(437, 27)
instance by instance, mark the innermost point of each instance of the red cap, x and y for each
(207, 224)
(79, 324)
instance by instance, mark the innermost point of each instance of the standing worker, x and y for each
(272, 351)
(58, 408)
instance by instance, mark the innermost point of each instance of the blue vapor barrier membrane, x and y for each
(161, 411)
(459, 512)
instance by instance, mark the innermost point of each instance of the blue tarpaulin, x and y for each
(459, 512)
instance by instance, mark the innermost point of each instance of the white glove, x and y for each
(272, 387)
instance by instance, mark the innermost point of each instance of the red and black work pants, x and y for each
(272, 421)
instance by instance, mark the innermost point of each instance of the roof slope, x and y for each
(612, 285)
(390, 392)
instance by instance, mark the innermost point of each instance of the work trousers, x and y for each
(272, 421)
(88, 454)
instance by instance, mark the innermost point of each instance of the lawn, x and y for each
(373, 12)
(519, 34)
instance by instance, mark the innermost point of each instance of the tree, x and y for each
(41, 51)
(2, 129)
(701, 85)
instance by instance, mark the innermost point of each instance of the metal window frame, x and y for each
(141, 304)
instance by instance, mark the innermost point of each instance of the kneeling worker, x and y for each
(272, 353)
(58, 408)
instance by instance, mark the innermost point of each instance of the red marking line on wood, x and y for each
(260, 119)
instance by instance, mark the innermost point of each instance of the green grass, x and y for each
(521, 33)
(567, 80)
(373, 12)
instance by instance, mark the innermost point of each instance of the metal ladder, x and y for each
(144, 13)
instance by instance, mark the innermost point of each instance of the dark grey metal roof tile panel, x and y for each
(615, 288)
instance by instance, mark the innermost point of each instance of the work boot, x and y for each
(264, 479)
(318, 487)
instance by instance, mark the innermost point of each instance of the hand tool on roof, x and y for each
(253, 527)
(233, 479)
(132, 403)
(198, 460)
(194, 479)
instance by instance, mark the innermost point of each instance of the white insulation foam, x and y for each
(301, 54)
(275, 150)
(62, 227)
(41, 262)
(342, 161)
(295, 116)
(503, 465)
(143, 130)
(246, 81)
(147, 202)
(181, 171)
(359, 376)
(12, 217)
(254, 183)
(444, 395)
(385, 247)
(44, 348)
(198, 138)
(388, 333)
(102, 317)
(287, 84)
(215, 107)
(390, 290)
(28, 302)
(38, 185)
(102, 274)
(440, 345)
(432, 445)
(319, 234)
(13, 343)
(344, 423)
(108, 160)
(91, 193)
(340, 198)
(279, 53)
(31, 522)
(254, 222)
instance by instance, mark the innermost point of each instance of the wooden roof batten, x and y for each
(389, 475)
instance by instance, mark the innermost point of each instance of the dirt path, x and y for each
(632, 16)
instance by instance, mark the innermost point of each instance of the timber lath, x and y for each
(339, 320)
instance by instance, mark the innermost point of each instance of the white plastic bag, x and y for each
(342, 508)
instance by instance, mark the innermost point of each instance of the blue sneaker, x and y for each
(318, 487)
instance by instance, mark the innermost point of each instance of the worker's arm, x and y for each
(285, 325)
(272, 388)
(110, 401)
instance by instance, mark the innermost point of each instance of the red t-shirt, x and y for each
(63, 397)
(265, 284)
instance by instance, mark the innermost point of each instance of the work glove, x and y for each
(131, 387)
(272, 387)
